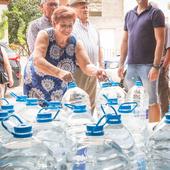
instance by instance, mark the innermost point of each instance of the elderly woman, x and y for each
(54, 59)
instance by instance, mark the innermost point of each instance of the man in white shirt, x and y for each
(86, 32)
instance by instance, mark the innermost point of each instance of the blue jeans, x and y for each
(140, 72)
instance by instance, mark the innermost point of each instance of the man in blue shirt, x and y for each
(142, 45)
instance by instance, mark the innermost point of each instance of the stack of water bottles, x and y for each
(65, 136)
(159, 145)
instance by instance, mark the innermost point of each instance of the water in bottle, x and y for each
(95, 151)
(138, 94)
(75, 95)
(159, 146)
(51, 133)
(23, 151)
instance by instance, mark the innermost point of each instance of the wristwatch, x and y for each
(156, 66)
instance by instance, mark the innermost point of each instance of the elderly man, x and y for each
(85, 31)
(47, 7)
(143, 43)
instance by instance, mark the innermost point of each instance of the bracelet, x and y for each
(156, 66)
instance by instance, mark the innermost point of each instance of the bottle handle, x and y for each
(4, 100)
(129, 103)
(46, 108)
(6, 127)
(102, 108)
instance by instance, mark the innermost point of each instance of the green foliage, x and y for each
(3, 24)
(20, 13)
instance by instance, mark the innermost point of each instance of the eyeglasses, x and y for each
(52, 4)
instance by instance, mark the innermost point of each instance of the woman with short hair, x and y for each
(54, 59)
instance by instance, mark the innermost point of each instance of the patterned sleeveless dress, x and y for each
(42, 86)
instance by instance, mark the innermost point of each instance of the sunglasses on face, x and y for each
(52, 4)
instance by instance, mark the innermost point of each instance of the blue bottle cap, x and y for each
(54, 105)
(93, 130)
(113, 119)
(167, 118)
(112, 101)
(125, 109)
(106, 84)
(44, 117)
(115, 84)
(21, 98)
(3, 114)
(72, 85)
(31, 101)
(23, 131)
(79, 108)
(138, 83)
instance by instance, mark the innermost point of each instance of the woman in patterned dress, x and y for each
(54, 59)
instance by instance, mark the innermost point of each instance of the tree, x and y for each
(20, 13)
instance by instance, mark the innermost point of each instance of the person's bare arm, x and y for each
(159, 36)
(101, 60)
(86, 66)
(40, 50)
(160, 41)
(123, 54)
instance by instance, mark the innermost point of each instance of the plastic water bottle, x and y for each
(24, 151)
(51, 133)
(31, 109)
(95, 151)
(158, 146)
(122, 136)
(138, 94)
(75, 95)
(77, 120)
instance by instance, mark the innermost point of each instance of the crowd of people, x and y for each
(65, 46)
(145, 50)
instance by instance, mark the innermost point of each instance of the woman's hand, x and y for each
(66, 76)
(101, 75)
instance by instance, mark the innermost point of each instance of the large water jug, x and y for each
(95, 151)
(122, 136)
(159, 146)
(138, 94)
(78, 119)
(136, 125)
(31, 109)
(24, 151)
(75, 95)
(51, 133)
